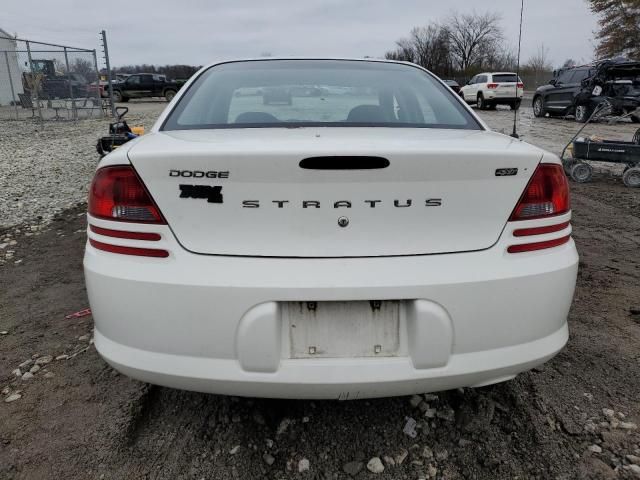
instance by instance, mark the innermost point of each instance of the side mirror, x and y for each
(553, 82)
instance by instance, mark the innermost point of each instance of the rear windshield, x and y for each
(299, 93)
(505, 78)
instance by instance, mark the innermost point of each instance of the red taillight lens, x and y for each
(520, 85)
(118, 194)
(532, 247)
(546, 195)
(107, 232)
(123, 250)
(492, 86)
(528, 232)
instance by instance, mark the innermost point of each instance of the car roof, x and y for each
(341, 59)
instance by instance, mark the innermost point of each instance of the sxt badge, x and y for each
(212, 194)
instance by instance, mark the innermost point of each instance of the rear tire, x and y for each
(583, 113)
(515, 105)
(631, 177)
(169, 94)
(481, 102)
(117, 96)
(538, 107)
(581, 172)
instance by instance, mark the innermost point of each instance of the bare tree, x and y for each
(472, 37)
(426, 46)
(500, 59)
(538, 67)
(619, 27)
(404, 52)
(432, 47)
(85, 68)
(539, 62)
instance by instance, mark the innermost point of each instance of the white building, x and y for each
(9, 69)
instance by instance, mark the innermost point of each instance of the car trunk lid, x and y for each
(244, 192)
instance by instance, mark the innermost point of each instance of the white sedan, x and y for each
(362, 234)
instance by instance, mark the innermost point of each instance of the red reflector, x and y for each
(118, 194)
(525, 232)
(546, 195)
(492, 85)
(520, 85)
(530, 247)
(140, 252)
(154, 237)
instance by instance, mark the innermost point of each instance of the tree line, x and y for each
(463, 45)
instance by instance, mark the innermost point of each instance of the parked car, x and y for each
(144, 85)
(572, 91)
(616, 82)
(379, 244)
(487, 90)
(453, 85)
(558, 97)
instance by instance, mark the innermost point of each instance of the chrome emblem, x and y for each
(343, 221)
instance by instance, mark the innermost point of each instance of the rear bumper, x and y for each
(343, 379)
(212, 323)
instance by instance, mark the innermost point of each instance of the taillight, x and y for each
(124, 250)
(546, 195)
(492, 86)
(118, 194)
(107, 232)
(532, 247)
(520, 85)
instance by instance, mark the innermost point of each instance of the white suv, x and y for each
(487, 90)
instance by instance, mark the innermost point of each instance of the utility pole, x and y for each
(105, 50)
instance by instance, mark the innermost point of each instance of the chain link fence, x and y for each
(44, 81)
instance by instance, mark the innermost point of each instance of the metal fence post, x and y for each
(109, 81)
(74, 111)
(35, 84)
(98, 92)
(13, 93)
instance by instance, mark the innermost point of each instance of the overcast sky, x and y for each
(199, 31)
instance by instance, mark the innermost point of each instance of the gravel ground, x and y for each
(65, 414)
(46, 167)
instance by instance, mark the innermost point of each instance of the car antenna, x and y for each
(514, 134)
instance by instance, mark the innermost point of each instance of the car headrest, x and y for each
(256, 117)
(367, 114)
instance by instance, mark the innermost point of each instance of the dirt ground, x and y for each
(76, 418)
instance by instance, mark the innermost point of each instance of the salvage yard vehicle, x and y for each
(557, 98)
(377, 243)
(615, 83)
(145, 85)
(578, 91)
(487, 90)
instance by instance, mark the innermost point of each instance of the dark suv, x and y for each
(558, 97)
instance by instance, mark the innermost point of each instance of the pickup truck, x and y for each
(145, 85)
